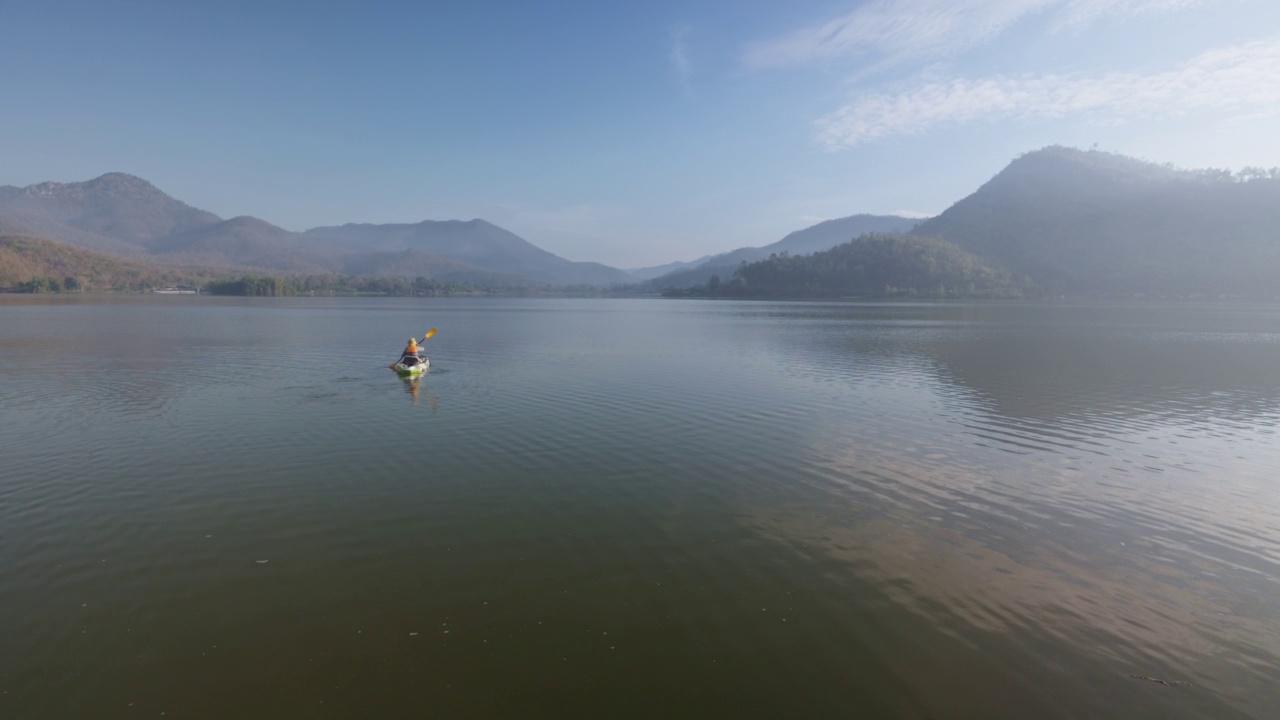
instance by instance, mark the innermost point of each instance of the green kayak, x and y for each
(409, 370)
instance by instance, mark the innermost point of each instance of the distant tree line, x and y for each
(1248, 174)
(333, 284)
(251, 286)
(46, 284)
(283, 286)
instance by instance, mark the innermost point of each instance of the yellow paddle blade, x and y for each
(430, 332)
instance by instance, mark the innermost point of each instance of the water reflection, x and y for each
(1110, 381)
(964, 511)
(1106, 366)
(1085, 625)
(1097, 485)
(413, 386)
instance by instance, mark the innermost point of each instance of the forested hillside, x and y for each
(30, 264)
(823, 236)
(873, 266)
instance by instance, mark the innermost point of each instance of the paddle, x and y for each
(430, 332)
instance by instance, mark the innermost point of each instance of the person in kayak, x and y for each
(410, 356)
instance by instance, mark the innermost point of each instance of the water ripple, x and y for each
(986, 511)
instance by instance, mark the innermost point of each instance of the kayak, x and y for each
(410, 370)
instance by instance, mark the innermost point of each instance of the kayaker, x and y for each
(411, 351)
(410, 357)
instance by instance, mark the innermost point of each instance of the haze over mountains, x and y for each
(477, 243)
(128, 217)
(1088, 222)
(1057, 220)
(816, 238)
(1063, 221)
(114, 213)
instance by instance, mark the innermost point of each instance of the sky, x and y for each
(631, 134)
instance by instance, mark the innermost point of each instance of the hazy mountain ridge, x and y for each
(415, 263)
(116, 212)
(1088, 222)
(1059, 220)
(815, 238)
(476, 242)
(244, 242)
(126, 216)
(648, 273)
(875, 266)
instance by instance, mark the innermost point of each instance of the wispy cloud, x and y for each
(1079, 13)
(895, 28)
(679, 55)
(1234, 80)
(889, 32)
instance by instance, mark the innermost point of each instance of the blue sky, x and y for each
(626, 133)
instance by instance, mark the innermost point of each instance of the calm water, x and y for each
(217, 508)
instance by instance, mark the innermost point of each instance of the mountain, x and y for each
(126, 216)
(114, 213)
(410, 264)
(1088, 222)
(246, 243)
(648, 273)
(477, 243)
(1063, 220)
(823, 236)
(826, 235)
(874, 266)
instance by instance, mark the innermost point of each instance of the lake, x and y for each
(231, 508)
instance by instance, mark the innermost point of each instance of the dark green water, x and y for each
(215, 508)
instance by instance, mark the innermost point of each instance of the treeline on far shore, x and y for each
(312, 285)
(37, 265)
(46, 284)
(278, 286)
(257, 286)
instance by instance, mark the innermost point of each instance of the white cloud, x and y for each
(1230, 81)
(1078, 13)
(679, 55)
(893, 31)
(895, 28)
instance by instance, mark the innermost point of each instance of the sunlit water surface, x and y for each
(231, 508)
